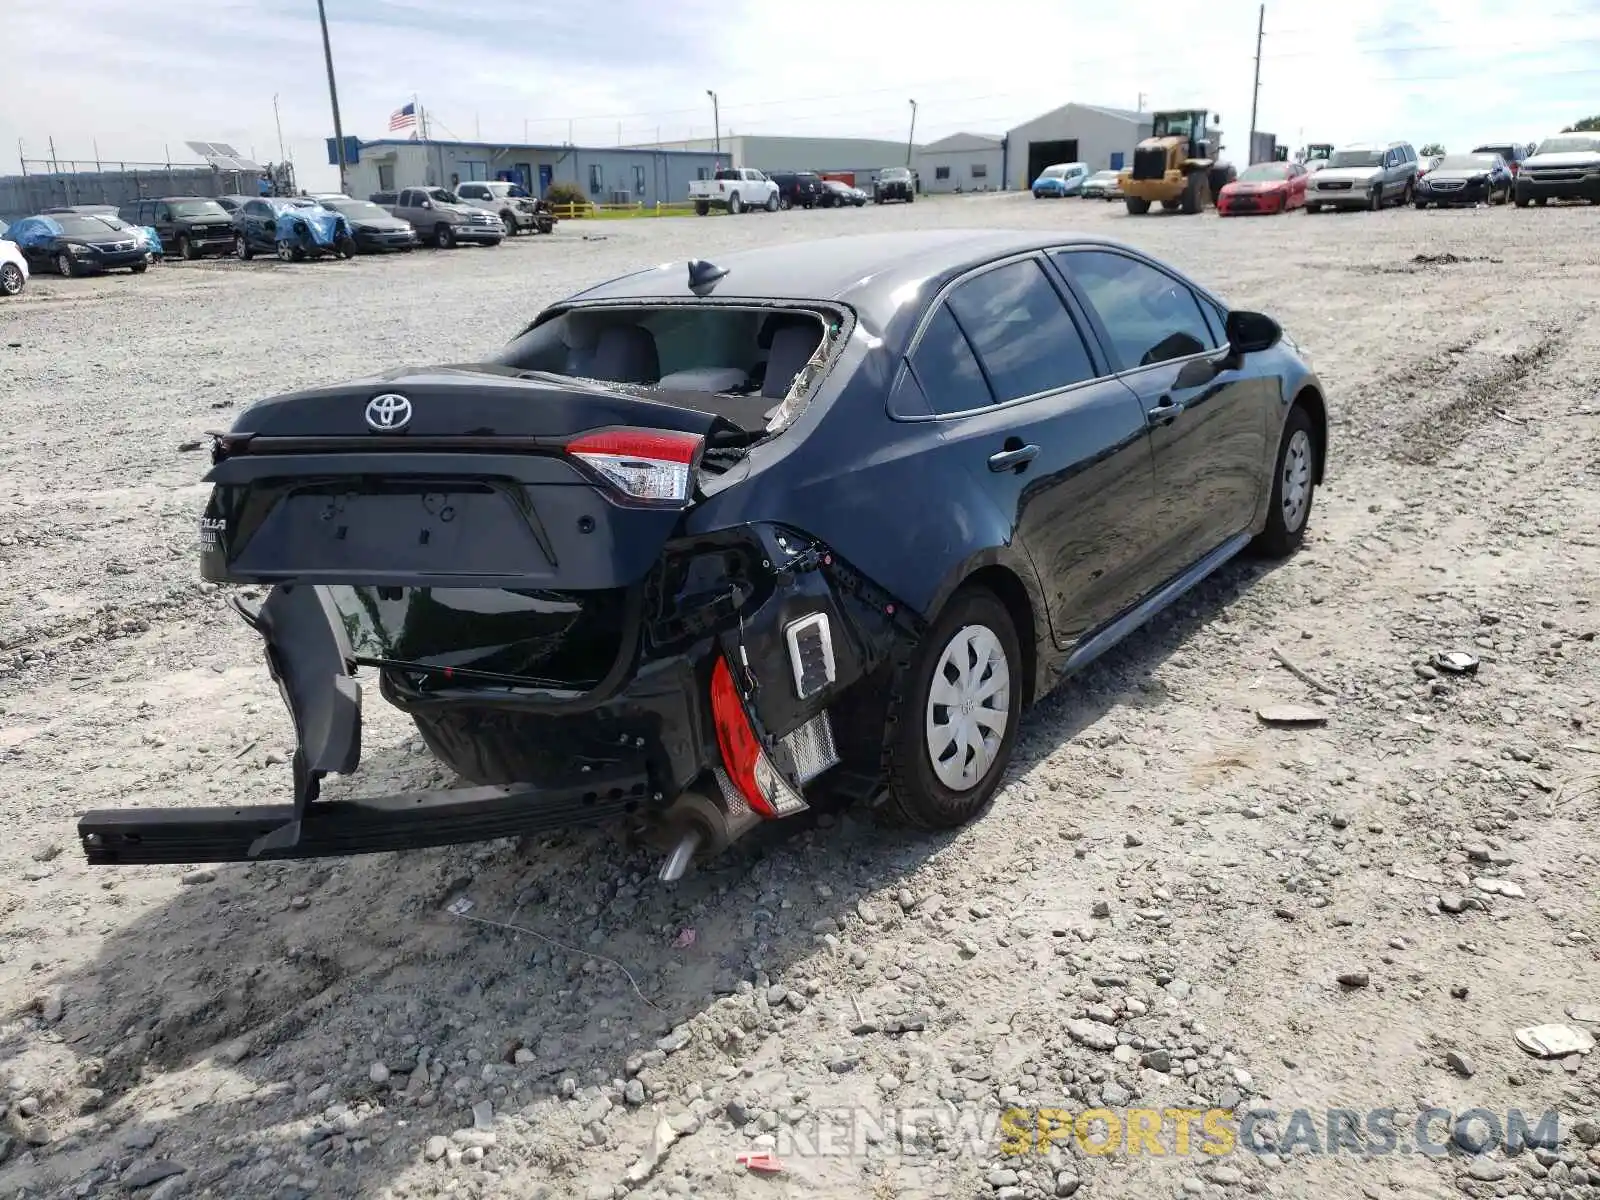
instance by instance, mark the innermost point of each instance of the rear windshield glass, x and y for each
(740, 363)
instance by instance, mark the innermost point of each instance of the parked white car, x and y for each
(13, 269)
(737, 189)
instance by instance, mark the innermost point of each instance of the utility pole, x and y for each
(1142, 99)
(1255, 92)
(716, 120)
(276, 120)
(333, 96)
(912, 136)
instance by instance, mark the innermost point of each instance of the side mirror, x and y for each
(427, 204)
(1252, 332)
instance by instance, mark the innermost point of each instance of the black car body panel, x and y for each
(1465, 179)
(375, 231)
(189, 226)
(798, 189)
(894, 184)
(545, 628)
(92, 242)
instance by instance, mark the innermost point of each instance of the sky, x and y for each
(137, 81)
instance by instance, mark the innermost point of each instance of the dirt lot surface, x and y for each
(1155, 914)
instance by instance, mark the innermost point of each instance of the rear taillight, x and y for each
(645, 464)
(747, 773)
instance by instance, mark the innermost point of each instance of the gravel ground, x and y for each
(1157, 912)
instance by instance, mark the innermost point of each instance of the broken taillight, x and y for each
(746, 767)
(644, 464)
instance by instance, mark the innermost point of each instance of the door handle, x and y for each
(1013, 460)
(1165, 411)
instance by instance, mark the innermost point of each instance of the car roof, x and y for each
(863, 270)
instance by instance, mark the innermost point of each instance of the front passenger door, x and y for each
(1208, 425)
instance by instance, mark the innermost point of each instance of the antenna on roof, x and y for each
(703, 276)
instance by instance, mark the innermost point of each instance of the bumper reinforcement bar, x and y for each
(407, 821)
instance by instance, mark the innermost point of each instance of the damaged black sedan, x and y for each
(713, 543)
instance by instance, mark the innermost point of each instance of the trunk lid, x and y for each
(474, 526)
(454, 477)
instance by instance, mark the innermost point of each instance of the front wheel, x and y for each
(187, 248)
(735, 205)
(139, 268)
(509, 224)
(444, 237)
(953, 715)
(772, 202)
(11, 280)
(1293, 487)
(1375, 200)
(1137, 205)
(286, 252)
(241, 247)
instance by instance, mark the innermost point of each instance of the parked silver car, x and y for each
(1102, 185)
(1365, 175)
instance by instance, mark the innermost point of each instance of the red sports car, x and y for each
(1269, 187)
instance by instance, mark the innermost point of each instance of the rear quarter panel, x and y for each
(871, 487)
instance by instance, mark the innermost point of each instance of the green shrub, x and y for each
(561, 194)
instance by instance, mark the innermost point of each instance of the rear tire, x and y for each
(11, 281)
(938, 777)
(701, 208)
(1293, 487)
(735, 205)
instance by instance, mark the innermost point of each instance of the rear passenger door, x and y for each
(1004, 363)
(1208, 425)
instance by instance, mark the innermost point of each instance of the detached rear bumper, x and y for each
(641, 738)
(408, 821)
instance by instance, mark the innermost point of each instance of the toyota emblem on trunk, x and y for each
(388, 412)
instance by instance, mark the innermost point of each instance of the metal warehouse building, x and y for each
(856, 160)
(962, 162)
(1102, 137)
(613, 175)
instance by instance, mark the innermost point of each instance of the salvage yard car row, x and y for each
(90, 239)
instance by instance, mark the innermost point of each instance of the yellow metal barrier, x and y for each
(622, 212)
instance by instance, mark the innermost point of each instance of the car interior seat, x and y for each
(790, 342)
(626, 354)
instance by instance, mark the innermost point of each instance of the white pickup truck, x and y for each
(737, 189)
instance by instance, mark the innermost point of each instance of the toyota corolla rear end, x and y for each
(510, 554)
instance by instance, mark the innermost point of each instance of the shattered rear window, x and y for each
(754, 358)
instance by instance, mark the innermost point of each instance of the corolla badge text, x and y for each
(388, 412)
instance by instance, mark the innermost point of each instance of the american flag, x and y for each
(403, 118)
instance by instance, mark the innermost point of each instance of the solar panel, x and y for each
(222, 156)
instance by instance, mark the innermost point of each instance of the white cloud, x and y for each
(138, 81)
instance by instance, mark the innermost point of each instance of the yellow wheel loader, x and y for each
(1177, 165)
